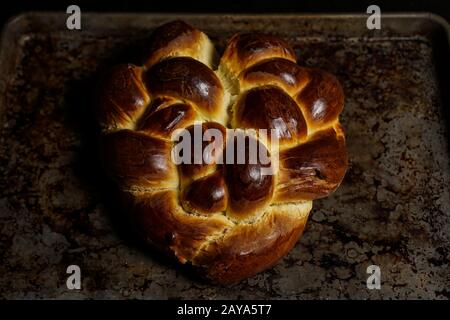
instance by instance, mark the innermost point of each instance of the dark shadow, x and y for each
(441, 50)
(80, 103)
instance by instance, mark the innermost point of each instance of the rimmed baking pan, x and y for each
(392, 210)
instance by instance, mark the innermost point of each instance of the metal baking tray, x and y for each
(392, 210)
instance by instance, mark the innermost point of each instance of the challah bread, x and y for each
(225, 218)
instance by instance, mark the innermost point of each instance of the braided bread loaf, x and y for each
(227, 220)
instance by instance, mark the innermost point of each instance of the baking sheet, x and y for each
(392, 210)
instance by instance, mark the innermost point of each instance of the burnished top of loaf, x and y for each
(227, 219)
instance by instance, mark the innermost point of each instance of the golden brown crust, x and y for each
(211, 150)
(185, 78)
(164, 117)
(268, 107)
(321, 100)
(161, 222)
(246, 49)
(178, 39)
(137, 160)
(314, 169)
(279, 72)
(233, 215)
(249, 188)
(248, 249)
(121, 97)
(206, 195)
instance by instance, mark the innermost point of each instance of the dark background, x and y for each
(440, 7)
(14, 7)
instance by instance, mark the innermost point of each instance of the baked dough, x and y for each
(227, 220)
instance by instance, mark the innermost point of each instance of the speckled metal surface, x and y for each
(392, 210)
